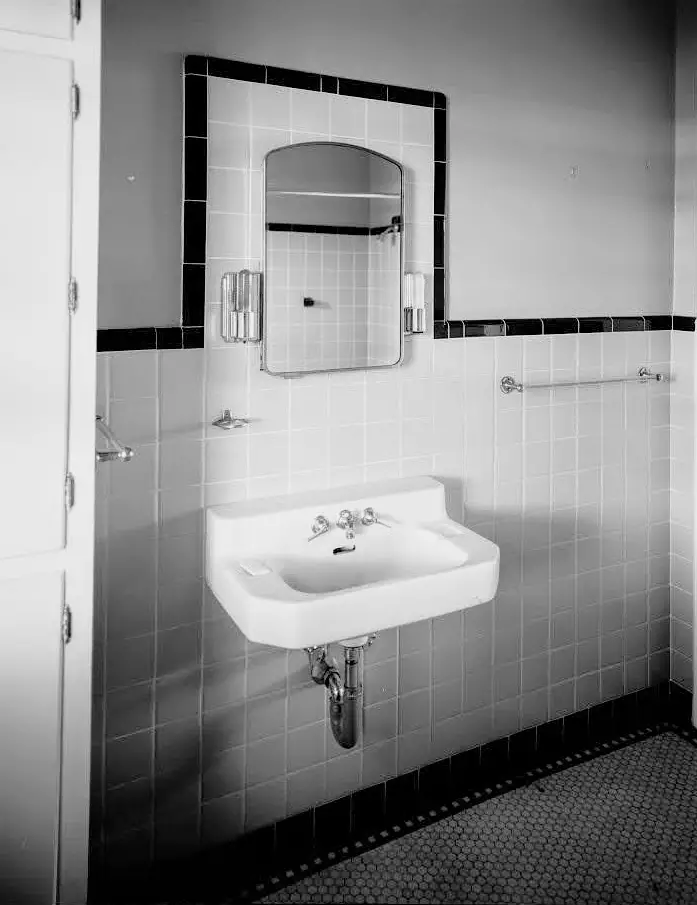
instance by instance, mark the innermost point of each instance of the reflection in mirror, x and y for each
(333, 267)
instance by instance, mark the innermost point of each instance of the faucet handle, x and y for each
(320, 525)
(370, 517)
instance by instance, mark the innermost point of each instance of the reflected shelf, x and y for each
(337, 194)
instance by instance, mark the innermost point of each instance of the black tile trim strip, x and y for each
(150, 338)
(313, 81)
(534, 326)
(680, 322)
(283, 853)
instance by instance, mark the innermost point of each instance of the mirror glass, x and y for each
(333, 261)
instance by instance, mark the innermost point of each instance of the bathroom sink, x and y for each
(285, 590)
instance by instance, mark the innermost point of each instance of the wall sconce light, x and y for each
(414, 303)
(240, 294)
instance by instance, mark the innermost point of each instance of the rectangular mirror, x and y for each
(333, 259)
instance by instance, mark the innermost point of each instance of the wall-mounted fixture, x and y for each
(227, 421)
(119, 453)
(509, 384)
(414, 303)
(240, 294)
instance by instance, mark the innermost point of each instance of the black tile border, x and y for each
(301, 845)
(150, 338)
(554, 326)
(196, 66)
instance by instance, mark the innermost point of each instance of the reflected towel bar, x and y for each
(510, 384)
(120, 453)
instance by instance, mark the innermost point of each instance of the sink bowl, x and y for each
(284, 590)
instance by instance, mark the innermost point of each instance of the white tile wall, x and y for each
(573, 486)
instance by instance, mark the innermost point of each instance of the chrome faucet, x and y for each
(347, 522)
(370, 517)
(320, 525)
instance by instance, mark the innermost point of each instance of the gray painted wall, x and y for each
(535, 88)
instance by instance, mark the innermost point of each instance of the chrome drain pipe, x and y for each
(345, 699)
(345, 714)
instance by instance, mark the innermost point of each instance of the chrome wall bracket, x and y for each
(119, 453)
(240, 295)
(227, 421)
(414, 303)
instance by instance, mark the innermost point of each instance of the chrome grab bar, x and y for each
(509, 384)
(120, 453)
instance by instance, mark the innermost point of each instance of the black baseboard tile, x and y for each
(440, 329)
(681, 322)
(401, 796)
(368, 809)
(456, 329)
(680, 703)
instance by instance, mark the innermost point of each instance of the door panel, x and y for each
(35, 164)
(30, 672)
(50, 18)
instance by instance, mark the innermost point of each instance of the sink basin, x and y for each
(282, 590)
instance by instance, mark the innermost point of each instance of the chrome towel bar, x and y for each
(120, 453)
(511, 385)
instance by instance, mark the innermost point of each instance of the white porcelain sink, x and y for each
(284, 590)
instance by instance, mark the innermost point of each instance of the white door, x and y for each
(48, 225)
(51, 18)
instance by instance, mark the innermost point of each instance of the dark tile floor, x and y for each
(621, 828)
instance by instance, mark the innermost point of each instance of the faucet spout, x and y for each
(347, 522)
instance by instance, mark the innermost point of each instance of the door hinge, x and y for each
(69, 491)
(76, 10)
(72, 295)
(67, 624)
(75, 100)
